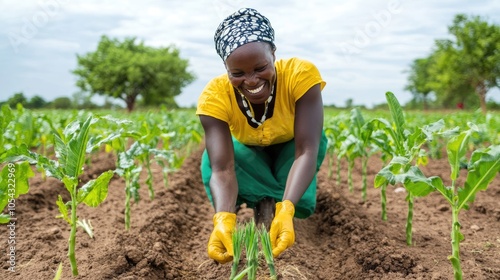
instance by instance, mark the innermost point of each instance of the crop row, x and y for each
(60, 146)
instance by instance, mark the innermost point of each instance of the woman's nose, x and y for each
(251, 79)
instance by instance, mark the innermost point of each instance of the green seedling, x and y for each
(71, 146)
(406, 153)
(248, 236)
(268, 251)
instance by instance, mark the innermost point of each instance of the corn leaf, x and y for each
(397, 116)
(391, 173)
(77, 148)
(416, 183)
(456, 149)
(4, 218)
(58, 272)
(19, 179)
(437, 183)
(95, 191)
(483, 168)
(63, 209)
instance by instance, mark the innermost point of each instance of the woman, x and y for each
(263, 122)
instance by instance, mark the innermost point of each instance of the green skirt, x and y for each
(262, 172)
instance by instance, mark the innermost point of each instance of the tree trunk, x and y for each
(425, 102)
(481, 91)
(130, 100)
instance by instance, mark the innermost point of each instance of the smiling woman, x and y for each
(263, 122)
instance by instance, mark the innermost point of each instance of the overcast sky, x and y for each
(362, 48)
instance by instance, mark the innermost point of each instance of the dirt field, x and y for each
(344, 239)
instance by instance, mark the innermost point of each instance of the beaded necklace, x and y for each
(249, 112)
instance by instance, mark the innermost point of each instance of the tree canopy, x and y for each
(460, 67)
(128, 70)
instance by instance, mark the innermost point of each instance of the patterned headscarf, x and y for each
(242, 27)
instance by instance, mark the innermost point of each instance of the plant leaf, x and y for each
(397, 117)
(416, 183)
(19, 181)
(95, 191)
(483, 168)
(63, 209)
(58, 272)
(456, 149)
(77, 149)
(4, 218)
(437, 183)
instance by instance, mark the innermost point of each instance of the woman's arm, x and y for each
(308, 128)
(219, 145)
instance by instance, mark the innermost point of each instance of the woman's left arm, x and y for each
(308, 129)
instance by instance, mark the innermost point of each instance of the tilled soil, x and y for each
(344, 239)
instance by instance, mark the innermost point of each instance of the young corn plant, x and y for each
(268, 251)
(248, 236)
(238, 240)
(71, 147)
(482, 168)
(252, 249)
(407, 154)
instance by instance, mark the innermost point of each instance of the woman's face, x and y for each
(251, 70)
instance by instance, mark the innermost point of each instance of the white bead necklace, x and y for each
(249, 112)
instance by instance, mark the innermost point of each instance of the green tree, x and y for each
(445, 79)
(17, 98)
(459, 67)
(128, 70)
(478, 56)
(62, 103)
(36, 102)
(418, 80)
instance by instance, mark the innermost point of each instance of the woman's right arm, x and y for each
(219, 145)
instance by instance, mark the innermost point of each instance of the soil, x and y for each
(344, 239)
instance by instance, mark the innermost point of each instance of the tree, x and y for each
(36, 102)
(478, 56)
(17, 98)
(460, 67)
(62, 103)
(418, 80)
(127, 70)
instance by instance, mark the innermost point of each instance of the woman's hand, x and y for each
(282, 234)
(220, 244)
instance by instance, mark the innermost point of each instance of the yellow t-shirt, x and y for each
(294, 78)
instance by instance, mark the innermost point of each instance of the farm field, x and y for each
(344, 239)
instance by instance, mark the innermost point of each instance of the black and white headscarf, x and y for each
(242, 27)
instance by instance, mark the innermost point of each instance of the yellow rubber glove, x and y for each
(281, 233)
(220, 244)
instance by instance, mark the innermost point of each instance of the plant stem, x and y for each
(72, 234)
(455, 243)
(149, 179)
(127, 203)
(383, 199)
(364, 168)
(330, 166)
(349, 175)
(339, 162)
(409, 220)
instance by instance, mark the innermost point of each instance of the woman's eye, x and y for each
(236, 74)
(261, 69)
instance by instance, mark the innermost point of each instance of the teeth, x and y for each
(256, 90)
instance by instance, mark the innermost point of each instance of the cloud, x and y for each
(360, 47)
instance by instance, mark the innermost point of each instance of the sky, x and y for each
(362, 48)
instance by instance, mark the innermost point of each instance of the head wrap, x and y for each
(244, 26)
